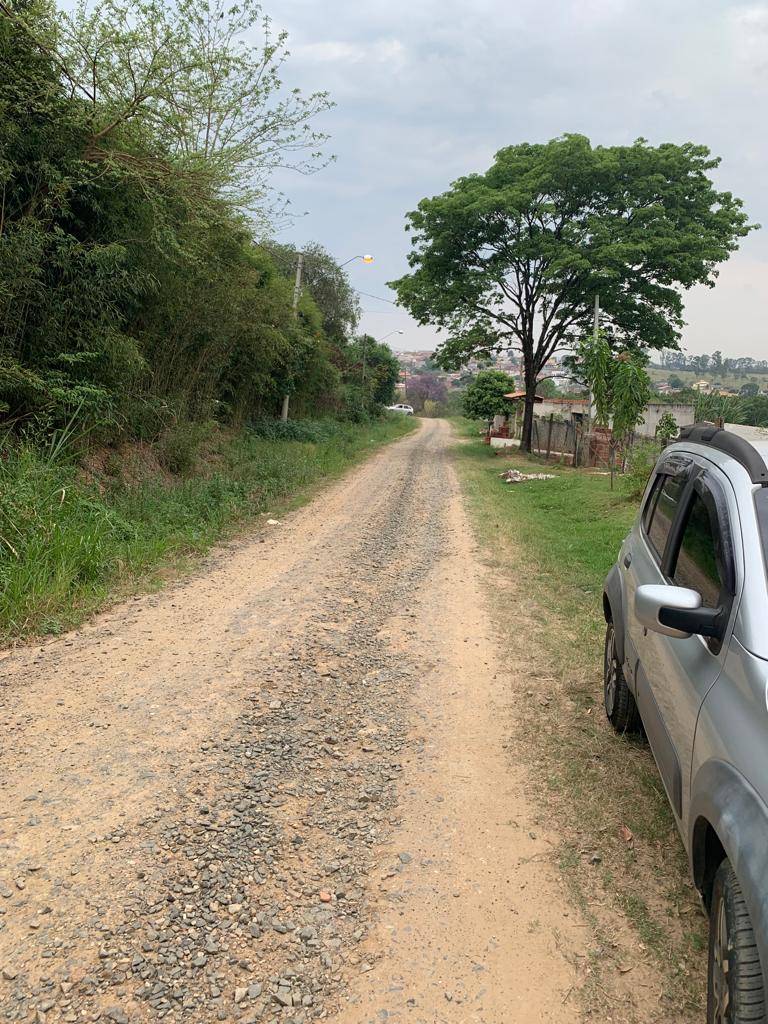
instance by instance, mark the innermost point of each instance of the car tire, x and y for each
(735, 977)
(619, 703)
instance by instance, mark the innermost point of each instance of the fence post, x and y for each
(549, 435)
(537, 446)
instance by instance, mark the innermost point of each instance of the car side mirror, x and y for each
(676, 611)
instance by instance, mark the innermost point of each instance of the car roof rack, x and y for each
(731, 444)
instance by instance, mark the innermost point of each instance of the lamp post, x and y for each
(297, 295)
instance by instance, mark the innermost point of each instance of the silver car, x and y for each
(686, 660)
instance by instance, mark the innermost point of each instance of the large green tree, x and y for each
(201, 79)
(516, 256)
(372, 373)
(485, 398)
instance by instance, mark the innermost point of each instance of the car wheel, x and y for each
(620, 705)
(735, 994)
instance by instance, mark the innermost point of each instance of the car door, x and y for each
(641, 557)
(674, 674)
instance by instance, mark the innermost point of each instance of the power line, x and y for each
(379, 297)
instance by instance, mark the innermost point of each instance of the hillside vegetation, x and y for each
(137, 289)
(149, 328)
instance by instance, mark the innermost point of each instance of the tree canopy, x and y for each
(325, 280)
(516, 256)
(137, 145)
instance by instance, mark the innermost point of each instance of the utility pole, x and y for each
(296, 297)
(596, 335)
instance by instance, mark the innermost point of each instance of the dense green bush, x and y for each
(179, 446)
(484, 397)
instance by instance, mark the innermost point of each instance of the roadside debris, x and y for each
(627, 836)
(514, 476)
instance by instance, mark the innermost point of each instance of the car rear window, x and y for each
(663, 512)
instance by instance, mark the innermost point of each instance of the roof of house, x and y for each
(515, 395)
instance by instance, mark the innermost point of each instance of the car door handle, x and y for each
(627, 560)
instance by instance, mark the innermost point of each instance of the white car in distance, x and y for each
(407, 409)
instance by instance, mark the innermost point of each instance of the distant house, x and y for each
(566, 408)
(683, 413)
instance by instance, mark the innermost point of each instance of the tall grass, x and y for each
(67, 543)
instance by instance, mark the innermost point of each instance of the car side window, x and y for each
(664, 511)
(697, 561)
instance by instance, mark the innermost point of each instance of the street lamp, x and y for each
(389, 335)
(366, 259)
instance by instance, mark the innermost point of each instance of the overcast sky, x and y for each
(428, 90)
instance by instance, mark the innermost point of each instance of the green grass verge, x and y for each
(554, 541)
(69, 542)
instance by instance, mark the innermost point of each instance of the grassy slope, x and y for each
(560, 537)
(67, 546)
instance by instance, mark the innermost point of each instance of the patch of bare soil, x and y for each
(283, 789)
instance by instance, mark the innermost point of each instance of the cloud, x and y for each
(390, 52)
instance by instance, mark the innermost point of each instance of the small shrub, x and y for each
(640, 462)
(667, 429)
(179, 445)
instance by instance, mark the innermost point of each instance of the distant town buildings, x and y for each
(507, 362)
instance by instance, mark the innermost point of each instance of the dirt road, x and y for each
(282, 790)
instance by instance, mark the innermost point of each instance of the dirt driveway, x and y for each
(283, 790)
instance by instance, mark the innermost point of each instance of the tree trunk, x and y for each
(530, 373)
(525, 439)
